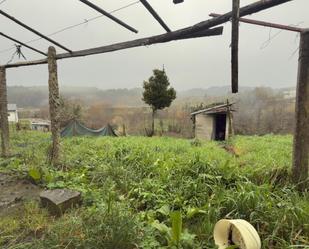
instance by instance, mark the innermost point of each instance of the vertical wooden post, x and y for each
(124, 133)
(234, 45)
(4, 122)
(153, 122)
(231, 124)
(193, 118)
(230, 119)
(301, 135)
(54, 102)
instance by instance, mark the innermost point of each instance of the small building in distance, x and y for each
(40, 124)
(214, 122)
(13, 113)
(289, 94)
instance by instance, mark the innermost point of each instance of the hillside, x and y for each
(35, 97)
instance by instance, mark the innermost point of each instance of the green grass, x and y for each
(132, 185)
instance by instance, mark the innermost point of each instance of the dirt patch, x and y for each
(14, 191)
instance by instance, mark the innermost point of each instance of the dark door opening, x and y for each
(220, 127)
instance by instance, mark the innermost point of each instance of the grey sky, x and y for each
(192, 63)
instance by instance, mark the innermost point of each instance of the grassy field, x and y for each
(135, 189)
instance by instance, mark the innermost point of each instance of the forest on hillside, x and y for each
(263, 110)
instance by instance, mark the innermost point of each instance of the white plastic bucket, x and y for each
(241, 232)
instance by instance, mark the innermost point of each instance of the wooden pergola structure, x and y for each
(205, 28)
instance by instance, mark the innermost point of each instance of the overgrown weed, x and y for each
(146, 179)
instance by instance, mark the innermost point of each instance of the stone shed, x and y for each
(214, 122)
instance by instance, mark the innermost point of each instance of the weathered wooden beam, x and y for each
(301, 135)
(265, 24)
(54, 103)
(33, 30)
(155, 15)
(124, 45)
(208, 32)
(4, 123)
(23, 44)
(105, 13)
(167, 37)
(234, 46)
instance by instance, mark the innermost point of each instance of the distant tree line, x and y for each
(260, 111)
(264, 111)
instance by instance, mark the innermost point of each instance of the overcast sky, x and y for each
(194, 63)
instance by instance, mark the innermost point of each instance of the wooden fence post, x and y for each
(54, 102)
(4, 122)
(301, 135)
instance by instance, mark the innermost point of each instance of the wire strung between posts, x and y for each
(271, 37)
(86, 21)
(265, 44)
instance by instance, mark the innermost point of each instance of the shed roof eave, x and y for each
(211, 109)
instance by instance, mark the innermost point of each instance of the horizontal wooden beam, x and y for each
(208, 32)
(178, 1)
(105, 13)
(202, 26)
(266, 24)
(33, 30)
(155, 15)
(23, 44)
(123, 45)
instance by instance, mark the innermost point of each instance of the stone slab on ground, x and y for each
(57, 201)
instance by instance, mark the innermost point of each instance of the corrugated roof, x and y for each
(214, 109)
(12, 107)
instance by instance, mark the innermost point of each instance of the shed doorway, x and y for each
(220, 127)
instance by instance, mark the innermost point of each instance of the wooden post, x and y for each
(231, 123)
(230, 119)
(193, 118)
(54, 102)
(234, 45)
(301, 135)
(4, 122)
(153, 122)
(124, 133)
